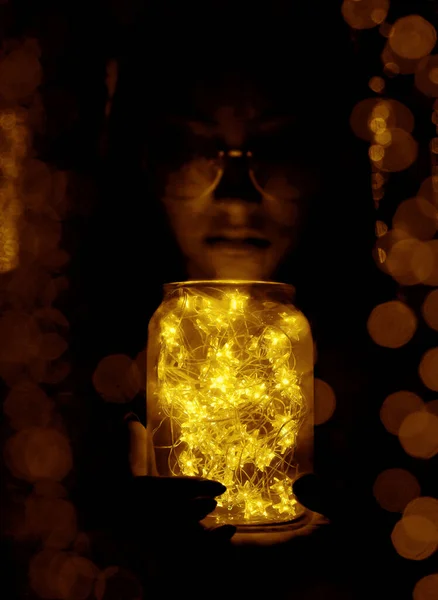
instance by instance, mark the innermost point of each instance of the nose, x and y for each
(235, 183)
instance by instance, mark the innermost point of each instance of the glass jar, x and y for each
(230, 394)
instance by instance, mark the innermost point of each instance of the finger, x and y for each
(199, 508)
(141, 451)
(223, 533)
(176, 489)
(319, 495)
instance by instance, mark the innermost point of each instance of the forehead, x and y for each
(223, 97)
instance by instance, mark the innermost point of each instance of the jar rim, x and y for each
(225, 282)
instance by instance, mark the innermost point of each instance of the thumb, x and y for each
(141, 450)
(320, 495)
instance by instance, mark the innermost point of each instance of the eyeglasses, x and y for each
(234, 172)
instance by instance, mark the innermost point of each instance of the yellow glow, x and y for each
(377, 84)
(425, 588)
(412, 37)
(433, 75)
(230, 399)
(376, 152)
(384, 138)
(381, 228)
(13, 131)
(392, 324)
(378, 124)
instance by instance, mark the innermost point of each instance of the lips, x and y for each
(238, 243)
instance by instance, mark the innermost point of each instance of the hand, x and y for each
(161, 529)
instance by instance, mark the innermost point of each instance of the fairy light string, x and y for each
(230, 399)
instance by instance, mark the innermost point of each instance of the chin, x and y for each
(232, 268)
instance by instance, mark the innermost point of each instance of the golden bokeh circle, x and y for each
(117, 378)
(425, 80)
(395, 488)
(324, 401)
(426, 588)
(365, 14)
(432, 407)
(424, 506)
(396, 407)
(377, 84)
(380, 114)
(429, 309)
(376, 152)
(411, 539)
(400, 154)
(412, 37)
(428, 369)
(418, 434)
(39, 453)
(392, 324)
(417, 217)
(409, 261)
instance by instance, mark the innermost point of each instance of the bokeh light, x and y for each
(381, 228)
(393, 64)
(425, 79)
(62, 575)
(426, 588)
(28, 405)
(392, 324)
(51, 346)
(377, 84)
(76, 578)
(432, 407)
(417, 217)
(117, 378)
(324, 401)
(423, 506)
(116, 583)
(395, 488)
(35, 187)
(429, 309)
(20, 74)
(397, 407)
(390, 68)
(414, 537)
(400, 152)
(409, 261)
(384, 245)
(418, 434)
(365, 14)
(376, 114)
(19, 335)
(38, 453)
(428, 369)
(412, 37)
(376, 152)
(51, 519)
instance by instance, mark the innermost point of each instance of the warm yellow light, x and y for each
(230, 400)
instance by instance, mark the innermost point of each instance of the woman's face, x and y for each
(235, 183)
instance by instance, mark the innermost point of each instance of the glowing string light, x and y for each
(230, 400)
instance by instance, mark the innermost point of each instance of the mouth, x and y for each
(238, 244)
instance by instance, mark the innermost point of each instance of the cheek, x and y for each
(186, 217)
(282, 201)
(283, 214)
